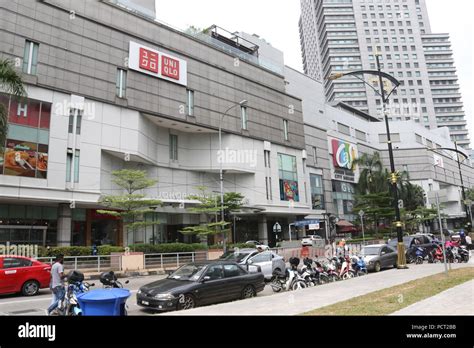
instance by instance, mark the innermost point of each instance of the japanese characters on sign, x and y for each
(157, 64)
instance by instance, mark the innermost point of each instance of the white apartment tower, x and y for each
(345, 35)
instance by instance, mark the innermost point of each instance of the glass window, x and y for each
(244, 117)
(75, 114)
(70, 164)
(262, 257)
(14, 262)
(121, 83)
(285, 130)
(173, 147)
(317, 192)
(190, 102)
(215, 272)
(233, 271)
(30, 57)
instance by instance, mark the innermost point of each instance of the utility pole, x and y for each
(401, 264)
(442, 233)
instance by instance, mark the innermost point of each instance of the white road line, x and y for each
(39, 300)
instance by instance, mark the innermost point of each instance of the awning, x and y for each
(344, 223)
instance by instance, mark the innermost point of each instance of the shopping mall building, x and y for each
(111, 88)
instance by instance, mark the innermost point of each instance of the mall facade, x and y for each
(110, 88)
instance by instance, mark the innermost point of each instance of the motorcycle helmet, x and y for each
(462, 234)
(307, 261)
(294, 261)
(108, 278)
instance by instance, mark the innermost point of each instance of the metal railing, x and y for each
(103, 263)
(99, 263)
(173, 260)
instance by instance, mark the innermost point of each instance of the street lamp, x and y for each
(464, 201)
(401, 264)
(243, 103)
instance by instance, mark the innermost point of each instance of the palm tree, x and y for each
(11, 83)
(372, 178)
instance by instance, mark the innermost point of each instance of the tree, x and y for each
(419, 216)
(372, 177)
(210, 207)
(376, 206)
(11, 83)
(131, 206)
(413, 196)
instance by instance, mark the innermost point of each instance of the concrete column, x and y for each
(263, 230)
(64, 225)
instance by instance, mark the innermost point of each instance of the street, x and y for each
(37, 305)
(295, 304)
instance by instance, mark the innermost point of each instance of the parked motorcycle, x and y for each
(359, 266)
(290, 279)
(69, 306)
(436, 255)
(419, 255)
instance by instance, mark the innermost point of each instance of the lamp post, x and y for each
(243, 103)
(463, 189)
(401, 263)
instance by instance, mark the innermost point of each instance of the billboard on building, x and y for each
(158, 64)
(25, 152)
(343, 154)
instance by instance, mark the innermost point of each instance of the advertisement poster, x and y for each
(23, 159)
(289, 190)
(343, 154)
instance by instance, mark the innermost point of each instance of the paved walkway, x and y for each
(455, 301)
(301, 301)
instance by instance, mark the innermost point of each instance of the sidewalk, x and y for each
(301, 301)
(455, 301)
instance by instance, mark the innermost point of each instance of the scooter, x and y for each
(359, 266)
(420, 255)
(288, 280)
(345, 271)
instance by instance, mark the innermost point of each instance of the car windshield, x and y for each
(370, 251)
(236, 257)
(188, 273)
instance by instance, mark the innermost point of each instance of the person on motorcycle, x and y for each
(462, 236)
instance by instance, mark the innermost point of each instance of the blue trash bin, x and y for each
(104, 302)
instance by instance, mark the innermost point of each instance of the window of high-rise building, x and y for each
(30, 57)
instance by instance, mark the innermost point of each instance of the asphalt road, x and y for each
(37, 305)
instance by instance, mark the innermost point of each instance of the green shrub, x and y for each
(66, 251)
(167, 248)
(108, 249)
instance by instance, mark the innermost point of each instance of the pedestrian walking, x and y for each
(57, 283)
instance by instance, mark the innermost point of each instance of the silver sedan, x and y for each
(267, 261)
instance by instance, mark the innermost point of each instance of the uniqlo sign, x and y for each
(157, 64)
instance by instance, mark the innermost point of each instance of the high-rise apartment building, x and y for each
(345, 35)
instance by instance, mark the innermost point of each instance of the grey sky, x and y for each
(277, 22)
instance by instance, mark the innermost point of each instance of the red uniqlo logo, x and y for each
(148, 60)
(170, 67)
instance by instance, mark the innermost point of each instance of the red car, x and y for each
(22, 274)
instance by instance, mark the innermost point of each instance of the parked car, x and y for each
(200, 283)
(411, 242)
(268, 261)
(257, 244)
(308, 240)
(379, 256)
(23, 275)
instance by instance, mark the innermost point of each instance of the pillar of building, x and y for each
(263, 230)
(64, 225)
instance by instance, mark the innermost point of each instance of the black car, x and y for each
(200, 283)
(412, 242)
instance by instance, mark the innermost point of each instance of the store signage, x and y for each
(343, 154)
(158, 64)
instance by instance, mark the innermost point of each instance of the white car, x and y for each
(308, 240)
(258, 244)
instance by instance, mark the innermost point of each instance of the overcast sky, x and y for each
(277, 22)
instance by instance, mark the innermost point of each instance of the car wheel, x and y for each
(30, 288)
(248, 292)
(377, 267)
(186, 302)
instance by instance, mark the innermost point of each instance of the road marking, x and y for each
(39, 299)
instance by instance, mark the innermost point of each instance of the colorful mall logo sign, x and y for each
(343, 154)
(157, 64)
